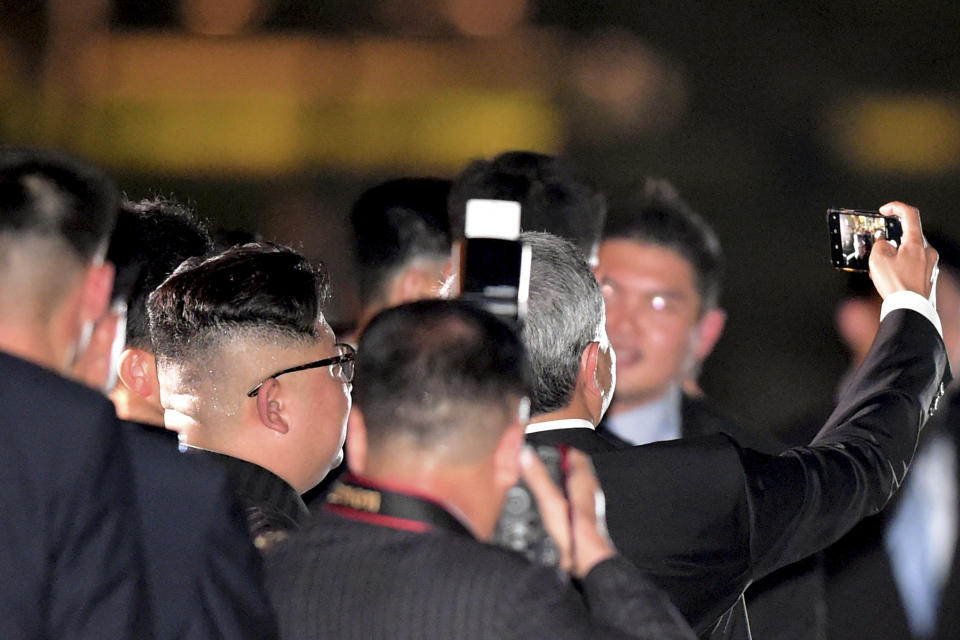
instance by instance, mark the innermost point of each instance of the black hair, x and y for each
(151, 239)
(427, 369)
(552, 197)
(395, 222)
(660, 217)
(50, 194)
(258, 286)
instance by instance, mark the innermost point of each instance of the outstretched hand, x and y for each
(909, 268)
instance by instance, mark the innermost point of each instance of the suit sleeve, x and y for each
(231, 585)
(96, 589)
(618, 603)
(806, 498)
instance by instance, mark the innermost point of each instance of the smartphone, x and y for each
(520, 527)
(852, 234)
(494, 264)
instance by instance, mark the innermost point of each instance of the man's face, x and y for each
(652, 317)
(318, 412)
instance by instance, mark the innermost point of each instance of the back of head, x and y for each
(552, 197)
(254, 292)
(395, 223)
(151, 239)
(55, 216)
(438, 375)
(565, 314)
(51, 196)
(659, 217)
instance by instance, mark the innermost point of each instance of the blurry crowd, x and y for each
(190, 451)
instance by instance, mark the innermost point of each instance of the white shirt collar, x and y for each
(652, 422)
(551, 425)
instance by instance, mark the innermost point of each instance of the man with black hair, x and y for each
(401, 237)
(703, 516)
(554, 198)
(203, 574)
(434, 444)
(661, 269)
(70, 562)
(251, 372)
(152, 238)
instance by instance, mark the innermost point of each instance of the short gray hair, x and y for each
(565, 314)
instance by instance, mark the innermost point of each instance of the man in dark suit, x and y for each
(434, 444)
(203, 574)
(908, 554)
(70, 563)
(252, 377)
(660, 268)
(703, 516)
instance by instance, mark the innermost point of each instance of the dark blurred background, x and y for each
(272, 115)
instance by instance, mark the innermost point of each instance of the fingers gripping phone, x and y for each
(853, 233)
(520, 527)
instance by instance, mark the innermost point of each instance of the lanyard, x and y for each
(359, 499)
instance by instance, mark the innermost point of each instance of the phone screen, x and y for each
(853, 234)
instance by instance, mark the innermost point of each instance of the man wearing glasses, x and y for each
(252, 376)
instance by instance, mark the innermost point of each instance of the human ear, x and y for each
(97, 287)
(137, 372)
(708, 331)
(356, 441)
(506, 456)
(589, 362)
(270, 408)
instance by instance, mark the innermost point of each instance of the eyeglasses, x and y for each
(343, 364)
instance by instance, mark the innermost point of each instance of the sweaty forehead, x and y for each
(632, 264)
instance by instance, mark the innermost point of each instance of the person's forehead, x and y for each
(629, 262)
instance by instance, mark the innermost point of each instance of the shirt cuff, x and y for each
(913, 301)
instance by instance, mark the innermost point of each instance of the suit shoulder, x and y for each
(701, 417)
(34, 388)
(156, 458)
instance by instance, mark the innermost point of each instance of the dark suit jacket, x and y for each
(70, 562)
(273, 509)
(863, 600)
(789, 604)
(204, 576)
(340, 578)
(704, 517)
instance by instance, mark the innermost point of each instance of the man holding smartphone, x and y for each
(703, 516)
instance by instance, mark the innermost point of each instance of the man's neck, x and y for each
(567, 413)
(654, 421)
(29, 345)
(135, 410)
(454, 489)
(622, 403)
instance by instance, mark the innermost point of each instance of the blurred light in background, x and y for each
(219, 18)
(267, 105)
(487, 17)
(917, 135)
(625, 86)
